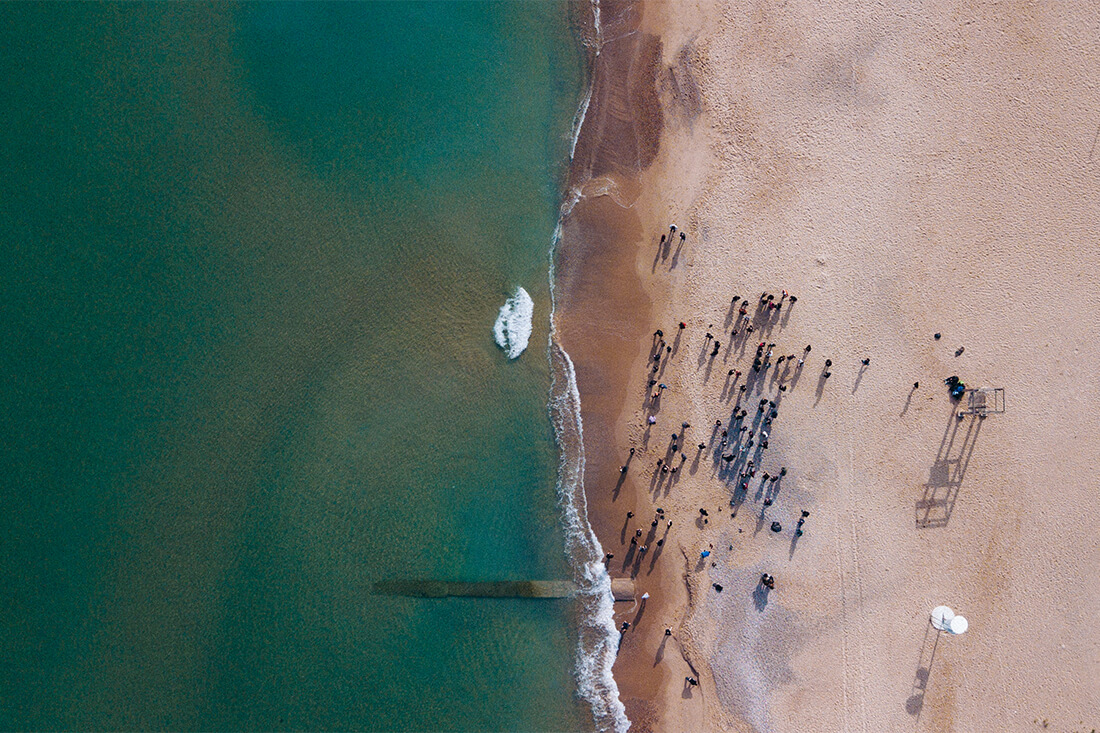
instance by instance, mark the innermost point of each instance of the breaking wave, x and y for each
(513, 327)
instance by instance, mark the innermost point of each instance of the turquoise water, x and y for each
(251, 258)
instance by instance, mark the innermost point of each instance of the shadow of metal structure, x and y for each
(935, 506)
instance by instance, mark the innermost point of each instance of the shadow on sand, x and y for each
(935, 506)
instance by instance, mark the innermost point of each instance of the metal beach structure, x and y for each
(984, 401)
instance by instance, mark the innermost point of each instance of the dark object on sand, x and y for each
(957, 387)
(717, 587)
(938, 336)
(767, 581)
(777, 527)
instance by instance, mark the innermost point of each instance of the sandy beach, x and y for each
(903, 172)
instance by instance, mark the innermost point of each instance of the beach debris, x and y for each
(960, 350)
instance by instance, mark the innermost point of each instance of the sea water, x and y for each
(251, 257)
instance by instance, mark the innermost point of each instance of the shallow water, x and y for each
(253, 256)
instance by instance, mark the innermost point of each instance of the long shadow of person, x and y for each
(676, 343)
(660, 651)
(641, 612)
(676, 256)
(629, 557)
(859, 378)
(618, 487)
(662, 251)
(657, 550)
(795, 537)
(760, 597)
(695, 463)
(908, 401)
(821, 386)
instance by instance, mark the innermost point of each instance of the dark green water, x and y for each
(250, 258)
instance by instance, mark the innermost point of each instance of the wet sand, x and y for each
(902, 174)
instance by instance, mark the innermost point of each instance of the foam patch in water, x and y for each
(513, 327)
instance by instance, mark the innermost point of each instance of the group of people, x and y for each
(737, 444)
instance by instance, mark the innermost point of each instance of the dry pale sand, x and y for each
(904, 169)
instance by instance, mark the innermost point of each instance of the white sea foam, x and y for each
(597, 637)
(596, 25)
(513, 327)
(578, 122)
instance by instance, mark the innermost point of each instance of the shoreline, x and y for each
(863, 161)
(597, 276)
